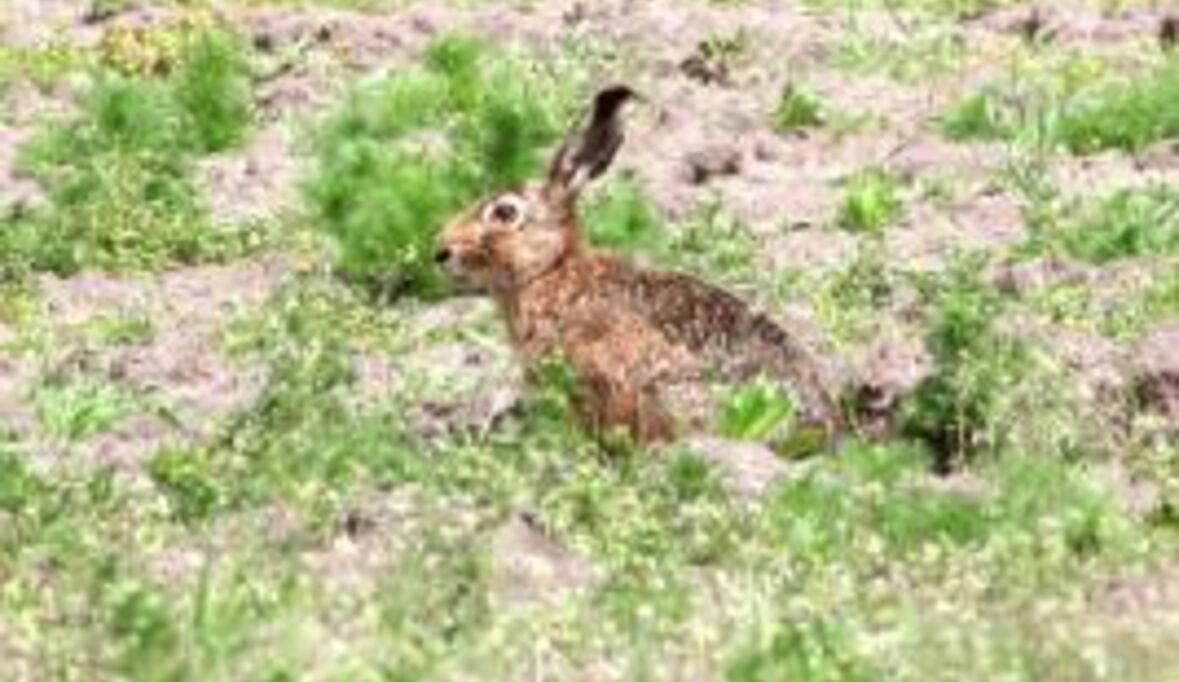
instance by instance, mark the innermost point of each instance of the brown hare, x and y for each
(643, 345)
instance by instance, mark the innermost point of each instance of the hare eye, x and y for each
(505, 211)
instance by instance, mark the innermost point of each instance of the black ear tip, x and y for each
(612, 97)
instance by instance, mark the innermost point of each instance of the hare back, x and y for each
(663, 328)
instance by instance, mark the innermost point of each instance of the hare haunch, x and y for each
(644, 345)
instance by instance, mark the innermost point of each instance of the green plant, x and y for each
(78, 410)
(1130, 223)
(850, 298)
(759, 410)
(978, 117)
(1069, 111)
(975, 366)
(212, 89)
(871, 202)
(43, 65)
(119, 173)
(725, 50)
(715, 243)
(808, 650)
(797, 108)
(918, 53)
(406, 152)
(620, 217)
(20, 488)
(190, 481)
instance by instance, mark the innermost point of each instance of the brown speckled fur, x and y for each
(638, 340)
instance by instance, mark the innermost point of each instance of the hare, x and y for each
(640, 342)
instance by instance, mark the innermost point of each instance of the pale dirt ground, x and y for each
(693, 143)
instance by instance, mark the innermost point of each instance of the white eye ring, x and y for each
(505, 210)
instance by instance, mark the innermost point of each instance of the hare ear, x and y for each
(587, 153)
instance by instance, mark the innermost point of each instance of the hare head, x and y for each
(509, 239)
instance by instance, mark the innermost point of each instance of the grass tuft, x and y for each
(871, 202)
(1074, 115)
(797, 109)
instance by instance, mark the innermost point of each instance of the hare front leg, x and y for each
(606, 403)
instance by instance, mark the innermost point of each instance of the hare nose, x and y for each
(442, 255)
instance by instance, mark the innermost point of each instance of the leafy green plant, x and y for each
(189, 480)
(20, 488)
(920, 52)
(620, 217)
(713, 242)
(404, 153)
(212, 89)
(1071, 113)
(1128, 224)
(978, 117)
(815, 650)
(757, 411)
(119, 173)
(871, 202)
(797, 109)
(78, 410)
(43, 65)
(975, 364)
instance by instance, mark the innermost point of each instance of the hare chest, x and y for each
(630, 376)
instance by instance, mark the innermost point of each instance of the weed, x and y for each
(871, 202)
(978, 117)
(119, 173)
(797, 109)
(1070, 112)
(848, 298)
(43, 65)
(189, 481)
(620, 217)
(438, 601)
(1130, 223)
(122, 329)
(78, 410)
(808, 650)
(714, 243)
(212, 90)
(1135, 313)
(911, 55)
(975, 366)
(19, 487)
(757, 411)
(726, 49)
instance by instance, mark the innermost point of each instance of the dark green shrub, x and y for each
(119, 173)
(406, 152)
(975, 365)
(212, 90)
